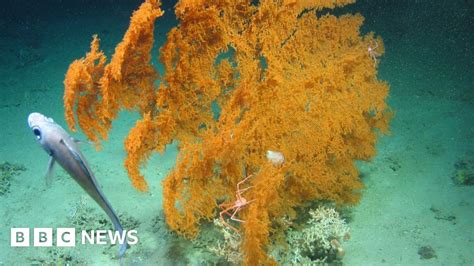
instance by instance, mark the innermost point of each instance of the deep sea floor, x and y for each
(412, 203)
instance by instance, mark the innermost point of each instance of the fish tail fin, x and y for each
(123, 246)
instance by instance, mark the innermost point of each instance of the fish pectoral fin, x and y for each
(76, 156)
(78, 141)
(71, 150)
(49, 172)
(75, 140)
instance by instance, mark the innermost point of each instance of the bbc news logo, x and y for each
(66, 237)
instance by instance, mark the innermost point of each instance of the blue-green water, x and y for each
(417, 191)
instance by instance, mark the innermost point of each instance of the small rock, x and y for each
(426, 253)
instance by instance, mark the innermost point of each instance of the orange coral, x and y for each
(82, 86)
(97, 91)
(241, 79)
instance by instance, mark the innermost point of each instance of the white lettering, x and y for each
(43, 237)
(132, 237)
(90, 238)
(116, 236)
(20, 237)
(66, 237)
(101, 236)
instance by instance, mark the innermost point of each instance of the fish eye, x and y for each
(37, 133)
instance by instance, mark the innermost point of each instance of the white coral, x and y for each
(324, 226)
(322, 234)
(230, 247)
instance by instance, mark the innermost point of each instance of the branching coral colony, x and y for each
(241, 78)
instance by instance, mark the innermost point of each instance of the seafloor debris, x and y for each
(441, 215)
(86, 218)
(56, 256)
(464, 172)
(7, 172)
(426, 252)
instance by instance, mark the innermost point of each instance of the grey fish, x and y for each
(63, 149)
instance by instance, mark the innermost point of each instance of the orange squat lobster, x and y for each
(231, 209)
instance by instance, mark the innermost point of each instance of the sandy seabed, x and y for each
(409, 201)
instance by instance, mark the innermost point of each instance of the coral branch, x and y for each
(97, 91)
(82, 89)
(241, 79)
